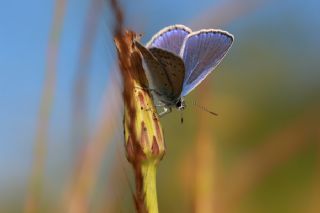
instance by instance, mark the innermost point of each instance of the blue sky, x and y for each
(24, 31)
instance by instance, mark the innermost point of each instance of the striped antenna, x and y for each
(203, 108)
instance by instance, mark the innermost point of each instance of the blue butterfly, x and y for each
(177, 60)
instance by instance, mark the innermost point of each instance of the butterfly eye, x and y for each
(180, 105)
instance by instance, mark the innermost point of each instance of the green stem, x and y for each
(146, 189)
(149, 172)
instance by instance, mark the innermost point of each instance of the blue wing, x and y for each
(170, 38)
(202, 51)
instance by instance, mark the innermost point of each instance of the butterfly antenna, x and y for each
(203, 108)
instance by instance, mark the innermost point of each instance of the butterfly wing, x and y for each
(202, 51)
(170, 38)
(175, 71)
(155, 73)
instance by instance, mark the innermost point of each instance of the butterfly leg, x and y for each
(160, 104)
(165, 111)
(145, 88)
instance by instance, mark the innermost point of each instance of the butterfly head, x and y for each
(181, 105)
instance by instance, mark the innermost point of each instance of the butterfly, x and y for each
(177, 60)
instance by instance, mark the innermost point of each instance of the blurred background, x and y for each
(61, 142)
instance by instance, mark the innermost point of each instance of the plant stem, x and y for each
(149, 171)
(144, 142)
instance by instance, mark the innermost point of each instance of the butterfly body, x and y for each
(177, 60)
